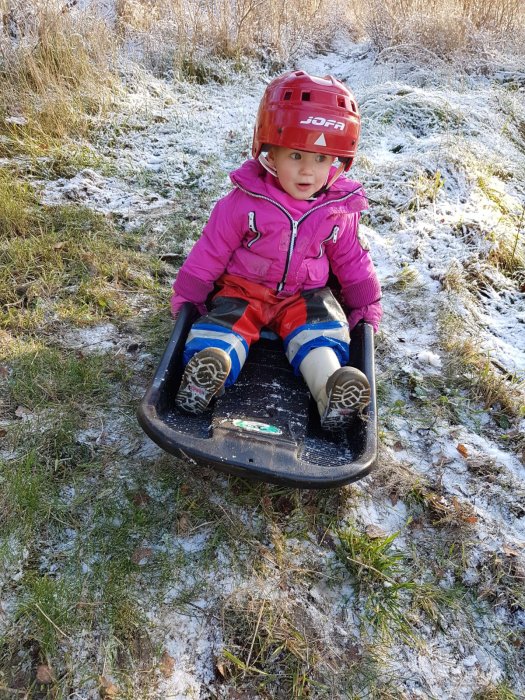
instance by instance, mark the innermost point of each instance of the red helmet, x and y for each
(310, 114)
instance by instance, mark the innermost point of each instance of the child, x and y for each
(269, 246)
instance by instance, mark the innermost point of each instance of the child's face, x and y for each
(300, 173)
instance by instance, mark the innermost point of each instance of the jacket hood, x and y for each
(253, 177)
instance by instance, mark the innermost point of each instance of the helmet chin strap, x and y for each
(263, 160)
(334, 177)
(330, 182)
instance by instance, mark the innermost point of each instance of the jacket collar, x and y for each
(252, 177)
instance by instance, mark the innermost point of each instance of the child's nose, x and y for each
(306, 166)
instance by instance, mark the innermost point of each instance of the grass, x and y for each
(55, 83)
(507, 250)
(102, 538)
(380, 574)
(502, 581)
(501, 691)
(81, 572)
(408, 278)
(43, 376)
(270, 643)
(439, 29)
(469, 368)
(64, 263)
(426, 188)
(475, 371)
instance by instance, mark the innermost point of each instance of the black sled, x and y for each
(266, 426)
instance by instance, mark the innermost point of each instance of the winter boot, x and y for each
(203, 380)
(340, 392)
(347, 393)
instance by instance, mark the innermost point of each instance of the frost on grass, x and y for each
(409, 584)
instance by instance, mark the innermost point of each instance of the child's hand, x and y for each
(177, 301)
(370, 314)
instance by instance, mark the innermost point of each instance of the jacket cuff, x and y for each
(191, 287)
(362, 293)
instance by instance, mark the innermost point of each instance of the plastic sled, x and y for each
(266, 426)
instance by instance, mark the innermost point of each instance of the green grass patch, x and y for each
(501, 691)
(65, 263)
(382, 578)
(54, 157)
(48, 457)
(28, 494)
(16, 200)
(44, 376)
(47, 609)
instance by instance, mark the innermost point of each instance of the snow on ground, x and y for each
(419, 126)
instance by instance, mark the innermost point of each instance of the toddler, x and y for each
(269, 246)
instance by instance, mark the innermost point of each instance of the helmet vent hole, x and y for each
(305, 97)
(341, 102)
(287, 94)
(354, 107)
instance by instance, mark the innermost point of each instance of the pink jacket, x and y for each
(262, 234)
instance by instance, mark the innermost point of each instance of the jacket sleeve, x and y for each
(211, 253)
(351, 263)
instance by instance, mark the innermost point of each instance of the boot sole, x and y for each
(348, 396)
(203, 379)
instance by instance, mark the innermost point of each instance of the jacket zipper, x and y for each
(253, 228)
(331, 237)
(294, 223)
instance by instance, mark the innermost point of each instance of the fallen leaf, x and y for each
(220, 669)
(141, 499)
(416, 524)
(22, 412)
(44, 675)
(59, 245)
(107, 690)
(462, 450)
(353, 653)
(141, 555)
(266, 502)
(3, 432)
(375, 532)
(471, 519)
(183, 524)
(167, 664)
(285, 505)
(510, 551)
(464, 511)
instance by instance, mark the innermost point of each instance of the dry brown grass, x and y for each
(180, 34)
(55, 72)
(442, 27)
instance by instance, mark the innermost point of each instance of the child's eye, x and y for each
(320, 158)
(295, 156)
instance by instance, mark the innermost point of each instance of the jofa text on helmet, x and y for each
(321, 121)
